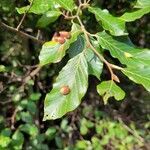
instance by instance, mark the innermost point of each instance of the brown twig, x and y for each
(13, 117)
(24, 16)
(38, 34)
(109, 66)
(79, 1)
(25, 35)
(138, 137)
(32, 74)
(80, 7)
(5, 102)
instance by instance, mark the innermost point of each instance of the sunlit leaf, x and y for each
(139, 75)
(2, 68)
(94, 63)
(127, 53)
(67, 4)
(114, 25)
(47, 18)
(142, 4)
(131, 16)
(136, 59)
(4, 141)
(75, 76)
(37, 7)
(53, 52)
(95, 66)
(109, 89)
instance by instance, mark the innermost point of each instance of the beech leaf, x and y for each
(73, 76)
(109, 89)
(53, 52)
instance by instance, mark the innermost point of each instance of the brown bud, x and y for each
(115, 78)
(59, 40)
(65, 90)
(65, 34)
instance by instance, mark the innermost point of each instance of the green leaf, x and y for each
(32, 107)
(4, 141)
(95, 66)
(53, 52)
(6, 132)
(2, 68)
(109, 89)
(137, 60)
(47, 18)
(75, 76)
(142, 4)
(30, 129)
(77, 47)
(35, 96)
(96, 143)
(114, 25)
(50, 133)
(17, 140)
(127, 53)
(38, 7)
(131, 16)
(67, 4)
(26, 117)
(139, 75)
(59, 142)
(84, 144)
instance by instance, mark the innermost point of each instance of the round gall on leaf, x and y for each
(65, 90)
(65, 34)
(60, 40)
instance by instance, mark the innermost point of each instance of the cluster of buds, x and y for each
(61, 37)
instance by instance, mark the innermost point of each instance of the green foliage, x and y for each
(108, 89)
(142, 4)
(75, 70)
(67, 4)
(119, 47)
(100, 47)
(113, 24)
(47, 18)
(2, 68)
(37, 7)
(136, 59)
(53, 52)
(106, 131)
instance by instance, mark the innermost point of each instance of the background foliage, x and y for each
(118, 125)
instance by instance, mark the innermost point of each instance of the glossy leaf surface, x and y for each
(132, 16)
(53, 52)
(67, 4)
(75, 76)
(114, 25)
(47, 18)
(136, 59)
(109, 89)
(37, 7)
(142, 3)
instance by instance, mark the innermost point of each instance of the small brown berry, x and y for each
(65, 34)
(65, 90)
